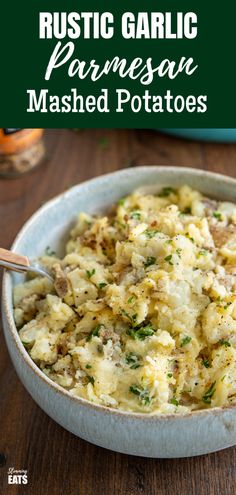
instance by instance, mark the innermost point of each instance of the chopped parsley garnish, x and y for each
(217, 215)
(90, 273)
(94, 332)
(131, 318)
(202, 252)
(150, 233)
(101, 285)
(134, 318)
(226, 343)
(89, 224)
(149, 261)
(133, 361)
(90, 379)
(206, 363)
(169, 259)
(131, 299)
(136, 215)
(88, 366)
(142, 393)
(187, 210)
(174, 401)
(185, 341)
(209, 394)
(166, 191)
(179, 251)
(227, 305)
(121, 202)
(169, 375)
(49, 367)
(49, 252)
(190, 238)
(141, 333)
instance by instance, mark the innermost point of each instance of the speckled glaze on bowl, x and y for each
(171, 436)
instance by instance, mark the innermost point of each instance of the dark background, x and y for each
(58, 463)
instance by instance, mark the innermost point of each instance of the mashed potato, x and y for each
(142, 315)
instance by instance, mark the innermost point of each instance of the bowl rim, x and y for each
(8, 313)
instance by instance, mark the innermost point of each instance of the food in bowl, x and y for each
(142, 314)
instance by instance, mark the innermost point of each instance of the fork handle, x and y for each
(17, 259)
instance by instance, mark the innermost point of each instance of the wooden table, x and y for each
(58, 463)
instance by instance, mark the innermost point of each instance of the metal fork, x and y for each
(20, 263)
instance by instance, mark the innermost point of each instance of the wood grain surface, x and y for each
(58, 463)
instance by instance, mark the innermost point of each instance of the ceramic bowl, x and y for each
(218, 135)
(170, 436)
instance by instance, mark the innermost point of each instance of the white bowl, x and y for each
(193, 434)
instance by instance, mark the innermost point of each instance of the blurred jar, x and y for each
(20, 150)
